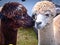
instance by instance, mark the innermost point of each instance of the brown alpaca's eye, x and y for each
(24, 15)
(47, 15)
(17, 17)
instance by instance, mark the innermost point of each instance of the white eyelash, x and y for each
(19, 7)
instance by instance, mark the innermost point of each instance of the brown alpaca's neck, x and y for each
(45, 36)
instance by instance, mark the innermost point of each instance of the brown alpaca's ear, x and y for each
(1, 8)
(57, 11)
(0, 12)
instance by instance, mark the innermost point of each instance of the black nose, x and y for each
(38, 23)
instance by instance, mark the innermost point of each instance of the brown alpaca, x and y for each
(14, 16)
(1, 37)
(1, 34)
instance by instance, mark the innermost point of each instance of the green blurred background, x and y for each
(26, 37)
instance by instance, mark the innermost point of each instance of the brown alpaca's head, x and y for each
(18, 14)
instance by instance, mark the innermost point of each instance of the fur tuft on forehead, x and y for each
(42, 6)
(19, 7)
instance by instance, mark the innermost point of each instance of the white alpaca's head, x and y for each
(44, 13)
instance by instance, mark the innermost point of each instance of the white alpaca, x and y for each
(44, 12)
(56, 24)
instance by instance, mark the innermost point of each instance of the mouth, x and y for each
(38, 26)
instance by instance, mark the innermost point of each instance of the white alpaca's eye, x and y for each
(47, 15)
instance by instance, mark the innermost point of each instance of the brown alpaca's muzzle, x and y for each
(23, 20)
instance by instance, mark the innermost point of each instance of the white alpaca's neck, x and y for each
(46, 35)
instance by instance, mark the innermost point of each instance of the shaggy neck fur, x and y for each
(57, 35)
(45, 35)
(1, 36)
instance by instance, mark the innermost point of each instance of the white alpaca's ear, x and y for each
(57, 11)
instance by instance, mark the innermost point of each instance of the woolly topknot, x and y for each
(42, 6)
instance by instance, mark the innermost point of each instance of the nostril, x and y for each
(38, 23)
